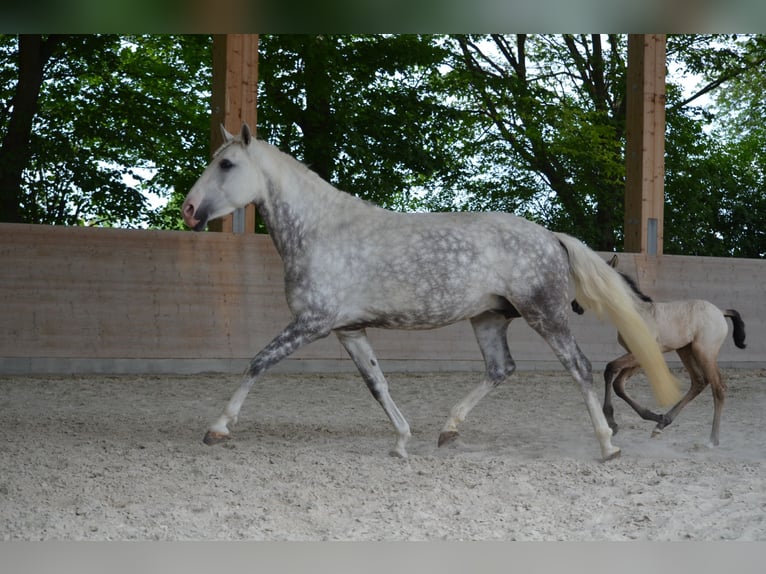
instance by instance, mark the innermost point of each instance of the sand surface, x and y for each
(121, 458)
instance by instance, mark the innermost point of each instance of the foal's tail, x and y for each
(739, 327)
(600, 288)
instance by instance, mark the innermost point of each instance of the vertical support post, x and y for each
(645, 144)
(235, 79)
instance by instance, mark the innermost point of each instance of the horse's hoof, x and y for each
(396, 453)
(615, 427)
(656, 432)
(214, 437)
(616, 454)
(447, 437)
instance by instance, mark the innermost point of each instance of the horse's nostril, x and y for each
(189, 209)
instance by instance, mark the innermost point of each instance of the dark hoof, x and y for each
(664, 421)
(394, 453)
(447, 437)
(212, 437)
(612, 456)
(615, 428)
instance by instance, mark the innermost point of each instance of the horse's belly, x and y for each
(429, 313)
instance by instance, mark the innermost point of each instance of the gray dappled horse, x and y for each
(695, 329)
(350, 265)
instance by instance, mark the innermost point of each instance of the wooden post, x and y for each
(235, 79)
(645, 144)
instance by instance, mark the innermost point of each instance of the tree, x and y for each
(32, 56)
(365, 112)
(715, 161)
(112, 117)
(528, 124)
(554, 106)
(554, 133)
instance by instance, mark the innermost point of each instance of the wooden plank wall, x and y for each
(110, 300)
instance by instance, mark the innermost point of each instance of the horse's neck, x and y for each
(298, 204)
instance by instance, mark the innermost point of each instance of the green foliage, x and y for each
(365, 112)
(533, 125)
(715, 160)
(117, 116)
(552, 124)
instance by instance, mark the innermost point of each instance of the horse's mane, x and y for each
(288, 163)
(634, 287)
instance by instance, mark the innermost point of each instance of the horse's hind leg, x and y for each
(300, 332)
(490, 330)
(698, 383)
(358, 347)
(703, 371)
(719, 396)
(563, 343)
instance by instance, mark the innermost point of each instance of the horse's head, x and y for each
(225, 185)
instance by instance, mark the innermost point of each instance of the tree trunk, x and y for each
(317, 119)
(34, 52)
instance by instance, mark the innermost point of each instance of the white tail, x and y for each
(600, 288)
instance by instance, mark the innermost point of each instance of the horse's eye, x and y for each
(226, 164)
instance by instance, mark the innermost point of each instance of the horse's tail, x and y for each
(600, 288)
(739, 327)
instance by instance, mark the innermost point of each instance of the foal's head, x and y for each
(229, 182)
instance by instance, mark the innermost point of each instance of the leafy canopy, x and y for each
(532, 124)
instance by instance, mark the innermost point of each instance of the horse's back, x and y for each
(430, 269)
(690, 321)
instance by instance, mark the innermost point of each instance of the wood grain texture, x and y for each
(74, 293)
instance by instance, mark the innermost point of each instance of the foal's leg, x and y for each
(300, 332)
(698, 383)
(490, 330)
(719, 396)
(358, 347)
(616, 373)
(626, 367)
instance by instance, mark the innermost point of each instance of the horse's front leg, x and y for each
(358, 347)
(301, 331)
(628, 368)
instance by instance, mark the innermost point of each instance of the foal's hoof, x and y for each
(447, 437)
(213, 437)
(657, 432)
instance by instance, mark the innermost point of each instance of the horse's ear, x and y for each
(246, 137)
(613, 261)
(227, 137)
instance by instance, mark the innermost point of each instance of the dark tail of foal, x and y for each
(739, 327)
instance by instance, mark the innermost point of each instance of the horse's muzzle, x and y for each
(196, 221)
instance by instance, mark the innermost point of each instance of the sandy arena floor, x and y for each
(121, 458)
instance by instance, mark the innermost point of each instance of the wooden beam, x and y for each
(235, 80)
(645, 144)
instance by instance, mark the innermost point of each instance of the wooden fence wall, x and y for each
(81, 300)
